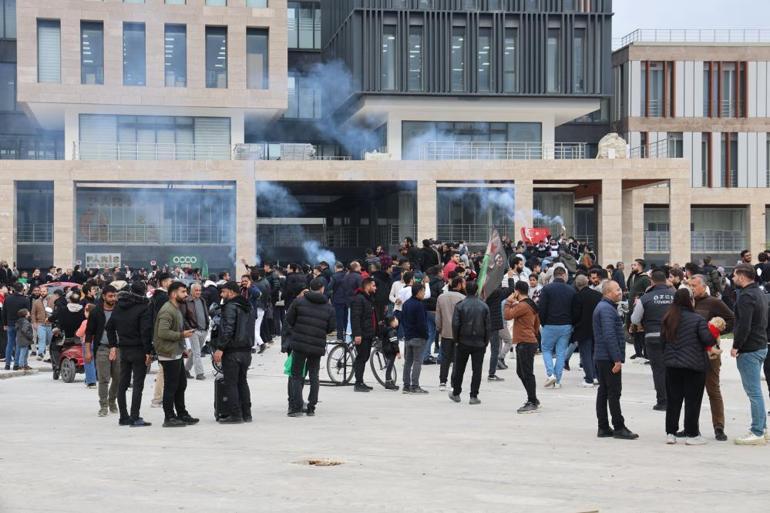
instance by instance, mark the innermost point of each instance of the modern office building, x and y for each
(205, 131)
(701, 95)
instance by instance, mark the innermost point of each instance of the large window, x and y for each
(415, 58)
(49, 51)
(657, 89)
(175, 51)
(304, 97)
(416, 134)
(729, 159)
(458, 59)
(7, 86)
(388, 66)
(7, 19)
(705, 155)
(91, 52)
(724, 89)
(553, 62)
(579, 61)
(256, 3)
(675, 145)
(216, 3)
(134, 54)
(216, 57)
(256, 58)
(304, 25)
(511, 61)
(484, 60)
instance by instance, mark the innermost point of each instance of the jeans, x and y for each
(413, 351)
(586, 348)
(108, 374)
(525, 362)
(390, 363)
(462, 353)
(494, 351)
(90, 368)
(174, 386)
(297, 381)
(10, 347)
(447, 357)
(684, 385)
(659, 372)
(22, 352)
(431, 335)
(197, 341)
(341, 314)
(132, 363)
(555, 337)
(235, 366)
(767, 372)
(610, 387)
(44, 334)
(749, 366)
(363, 350)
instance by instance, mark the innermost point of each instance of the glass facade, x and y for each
(415, 58)
(216, 57)
(134, 54)
(304, 25)
(7, 19)
(49, 51)
(458, 59)
(579, 61)
(484, 60)
(304, 97)
(7, 86)
(389, 49)
(553, 61)
(91, 52)
(511, 61)
(175, 53)
(257, 58)
(415, 134)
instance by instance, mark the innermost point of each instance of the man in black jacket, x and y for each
(295, 283)
(105, 354)
(471, 328)
(339, 303)
(13, 303)
(750, 348)
(383, 282)
(236, 337)
(130, 329)
(310, 318)
(583, 305)
(363, 323)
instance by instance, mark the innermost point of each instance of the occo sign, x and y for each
(184, 260)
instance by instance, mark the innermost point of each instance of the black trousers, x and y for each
(235, 366)
(55, 353)
(655, 355)
(174, 386)
(390, 363)
(610, 387)
(462, 353)
(363, 350)
(132, 363)
(525, 363)
(447, 357)
(297, 380)
(684, 385)
(638, 343)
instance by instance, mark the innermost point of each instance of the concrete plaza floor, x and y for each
(399, 453)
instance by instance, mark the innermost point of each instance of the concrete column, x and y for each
(237, 129)
(246, 218)
(524, 200)
(64, 223)
(71, 134)
(679, 211)
(394, 138)
(610, 216)
(8, 221)
(633, 226)
(757, 228)
(426, 209)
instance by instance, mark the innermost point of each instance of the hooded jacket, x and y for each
(69, 318)
(236, 328)
(363, 319)
(131, 323)
(310, 318)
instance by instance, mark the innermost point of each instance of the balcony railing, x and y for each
(150, 151)
(461, 150)
(277, 235)
(264, 151)
(660, 149)
(471, 233)
(697, 36)
(35, 233)
(657, 242)
(149, 234)
(707, 241)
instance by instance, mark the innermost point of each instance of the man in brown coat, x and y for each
(526, 326)
(40, 321)
(708, 307)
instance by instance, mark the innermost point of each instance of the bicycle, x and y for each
(342, 355)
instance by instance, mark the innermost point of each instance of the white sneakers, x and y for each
(587, 385)
(751, 439)
(671, 439)
(557, 385)
(550, 381)
(695, 440)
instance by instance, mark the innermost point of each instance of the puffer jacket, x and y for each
(236, 328)
(471, 322)
(130, 324)
(310, 318)
(363, 316)
(688, 351)
(68, 319)
(609, 339)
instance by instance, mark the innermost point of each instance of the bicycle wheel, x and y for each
(339, 364)
(379, 364)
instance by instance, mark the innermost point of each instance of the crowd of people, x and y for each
(426, 305)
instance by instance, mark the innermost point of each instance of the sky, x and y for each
(684, 14)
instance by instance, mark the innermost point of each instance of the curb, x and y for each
(17, 374)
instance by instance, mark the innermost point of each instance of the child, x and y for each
(390, 350)
(717, 326)
(24, 338)
(88, 357)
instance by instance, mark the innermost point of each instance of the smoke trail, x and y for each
(315, 254)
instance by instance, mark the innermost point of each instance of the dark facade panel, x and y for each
(515, 49)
